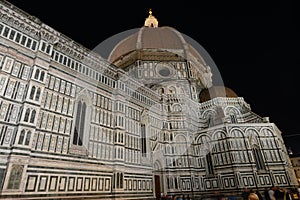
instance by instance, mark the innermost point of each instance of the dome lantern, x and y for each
(151, 21)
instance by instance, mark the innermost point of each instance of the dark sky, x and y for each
(255, 45)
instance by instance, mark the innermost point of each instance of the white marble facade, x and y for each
(73, 124)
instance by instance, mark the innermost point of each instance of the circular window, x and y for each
(164, 70)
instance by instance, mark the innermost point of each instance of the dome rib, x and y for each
(164, 38)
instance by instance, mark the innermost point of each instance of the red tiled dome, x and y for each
(158, 38)
(216, 91)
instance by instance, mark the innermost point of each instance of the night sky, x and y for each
(255, 45)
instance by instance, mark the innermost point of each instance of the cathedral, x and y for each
(145, 121)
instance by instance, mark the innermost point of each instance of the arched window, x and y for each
(24, 137)
(209, 164)
(32, 92)
(38, 94)
(143, 140)
(42, 76)
(21, 138)
(27, 140)
(79, 125)
(26, 118)
(258, 158)
(32, 117)
(48, 49)
(15, 177)
(37, 73)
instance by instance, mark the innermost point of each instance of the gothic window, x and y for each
(38, 94)
(23, 40)
(79, 125)
(15, 177)
(144, 137)
(42, 76)
(205, 154)
(24, 137)
(32, 92)
(12, 34)
(48, 49)
(18, 37)
(258, 158)
(21, 137)
(43, 47)
(35, 93)
(209, 164)
(32, 117)
(33, 47)
(37, 73)
(26, 118)
(6, 30)
(28, 43)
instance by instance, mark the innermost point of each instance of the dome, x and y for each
(153, 40)
(216, 91)
(165, 54)
(163, 38)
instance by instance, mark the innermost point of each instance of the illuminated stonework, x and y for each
(151, 21)
(145, 121)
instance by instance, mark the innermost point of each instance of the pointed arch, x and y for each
(177, 108)
(203, 145)
(32, 117)
(82, 119)
(237, 139)
(231, 110)
(209, 113)
(79, 123)
(157, 165)
(37, 74)
(266, 132)
(32, 92)
(219, 135)
(258, 157)
(42, 76)
(38, 94)
(15, 177)
(21, 137)
(27, 113)
(236, 133)
(252, 135)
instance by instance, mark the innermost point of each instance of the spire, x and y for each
(151, 21)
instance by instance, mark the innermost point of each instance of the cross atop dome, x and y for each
(151, 21)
